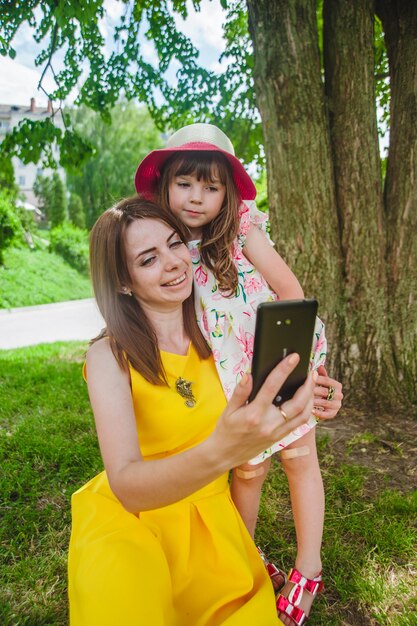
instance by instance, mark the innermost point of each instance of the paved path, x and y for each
(61, 321)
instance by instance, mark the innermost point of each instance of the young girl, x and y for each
(235, 268)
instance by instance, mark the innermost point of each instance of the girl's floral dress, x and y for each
(228, 324)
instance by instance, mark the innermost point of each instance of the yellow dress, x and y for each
(191, 563)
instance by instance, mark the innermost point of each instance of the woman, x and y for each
(156, 539)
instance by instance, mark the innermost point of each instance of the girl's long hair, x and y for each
(132, 337)
(219, 235)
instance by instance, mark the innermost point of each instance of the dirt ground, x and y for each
(384, 443)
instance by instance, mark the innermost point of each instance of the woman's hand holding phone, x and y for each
(246, 429)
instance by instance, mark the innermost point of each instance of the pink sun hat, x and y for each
(193, 138)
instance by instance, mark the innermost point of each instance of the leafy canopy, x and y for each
(177, 89)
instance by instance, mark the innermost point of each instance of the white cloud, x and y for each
(204, 27)
(219, 67)
(148, 52)
(114, 9)
(113, 12)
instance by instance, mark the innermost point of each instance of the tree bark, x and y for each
(352, 247)
(399, 21)
(365, 345)
(290, 99)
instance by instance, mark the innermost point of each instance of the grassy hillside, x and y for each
(32, 277)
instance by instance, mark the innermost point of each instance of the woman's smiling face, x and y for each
(159, 264)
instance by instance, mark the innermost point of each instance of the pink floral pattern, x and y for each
(228, 324)
(200, 276)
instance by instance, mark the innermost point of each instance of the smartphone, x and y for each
(282, 328)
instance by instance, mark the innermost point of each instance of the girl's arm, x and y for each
(326, 409)
(271, 265)
(242, 431)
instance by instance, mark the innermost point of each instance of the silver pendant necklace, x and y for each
(183, 388)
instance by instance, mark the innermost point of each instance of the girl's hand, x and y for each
(244, 430)
(328, 395)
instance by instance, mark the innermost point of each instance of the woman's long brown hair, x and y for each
(131, 334)
(219, 235)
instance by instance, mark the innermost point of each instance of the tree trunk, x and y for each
(399, 21)
(301, 196)
(365, 345)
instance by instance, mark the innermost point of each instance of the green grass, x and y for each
(369, 546)
(32, 277)
(48, 449)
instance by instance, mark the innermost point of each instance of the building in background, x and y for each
(25, 175)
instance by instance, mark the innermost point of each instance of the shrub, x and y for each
(11, 227)
(52, 198)
(71, 243)
(76, 212)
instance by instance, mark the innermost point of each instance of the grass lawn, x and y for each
(32, 277)
(48, 449)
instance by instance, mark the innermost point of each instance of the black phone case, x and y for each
(282, 328)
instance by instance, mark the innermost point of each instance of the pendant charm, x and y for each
(183, 388)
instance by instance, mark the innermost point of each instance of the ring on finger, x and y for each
(330, 394)
(284, 415)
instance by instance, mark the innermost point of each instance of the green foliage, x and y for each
(236, 111)
(11, 227)
(33, 142)
(57, 210)
(76, 210)
(194, 94)
(50, 192)
(71, 243)
(7, 180)
(41, 188)
(368, 545)
(262, 193)
(29, 225)
(48, 449)
(226, 98)
(36, 141)
(382, 86)
(74, 150)
(31, 277)
(119, 147)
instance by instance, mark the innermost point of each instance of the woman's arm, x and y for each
(242, 432)
(271, 265)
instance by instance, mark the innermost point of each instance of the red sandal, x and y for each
(290, 604)
(277, 576)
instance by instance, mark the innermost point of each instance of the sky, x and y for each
(19, 78)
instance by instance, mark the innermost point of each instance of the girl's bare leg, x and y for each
(307, 501)
(247, 481)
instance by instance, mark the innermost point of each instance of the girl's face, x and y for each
(196, 202)
(159, 265)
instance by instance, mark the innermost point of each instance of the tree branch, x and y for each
(51, 53)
